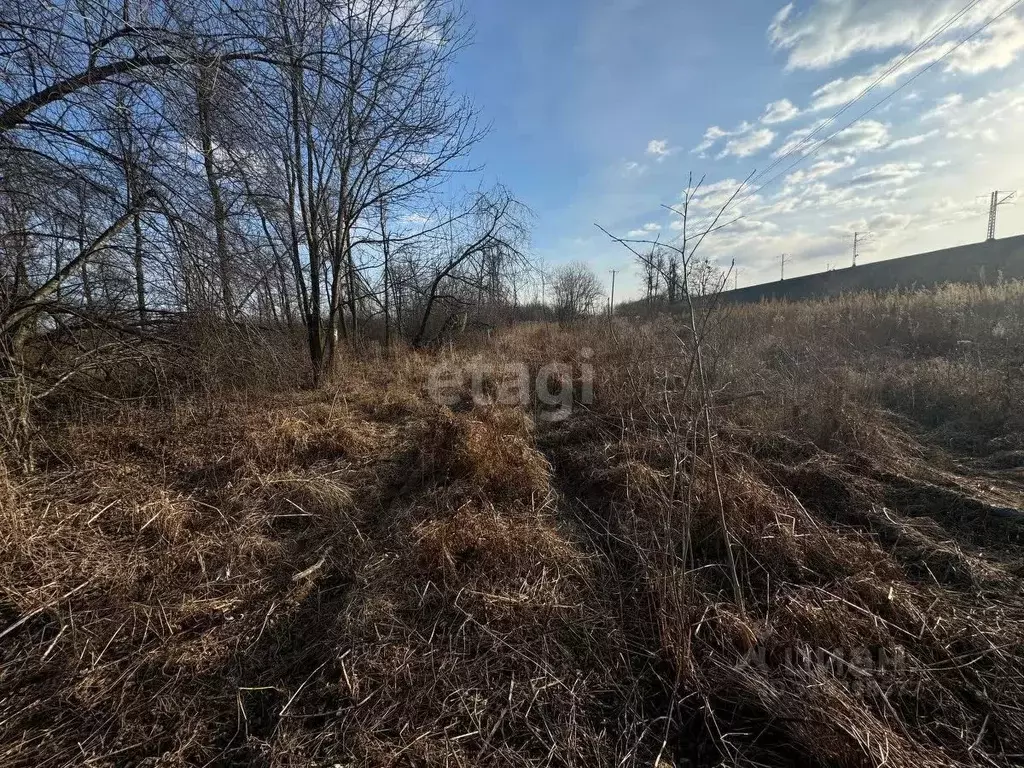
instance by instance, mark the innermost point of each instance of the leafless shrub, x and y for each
(577, 292)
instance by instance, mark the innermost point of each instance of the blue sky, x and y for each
(599, 110)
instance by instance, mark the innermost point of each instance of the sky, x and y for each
(600, 110)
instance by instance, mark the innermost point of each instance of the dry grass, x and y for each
(490, 451)
(358, 576)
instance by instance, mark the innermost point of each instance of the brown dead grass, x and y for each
(360, 577)
(490, 450)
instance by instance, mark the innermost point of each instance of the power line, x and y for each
(878, 80)
(871, 109)
(814, 150)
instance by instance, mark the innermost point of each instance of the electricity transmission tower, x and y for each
(859, 238)
(993, 208)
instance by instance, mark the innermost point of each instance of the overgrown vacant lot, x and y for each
(358, 575)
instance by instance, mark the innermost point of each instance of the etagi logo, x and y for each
(856, 668)
(552, 391)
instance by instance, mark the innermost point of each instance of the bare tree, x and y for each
(465, 245)
(577, 292)
(259, 162)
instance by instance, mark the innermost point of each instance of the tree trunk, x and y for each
(220, 215)
(386, 245)
(140, 280)
(286, 302)
(17, 321)
(399, 295)
(301, 174)
(352, 283)
(86, 282)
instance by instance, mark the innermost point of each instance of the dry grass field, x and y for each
(809, 556)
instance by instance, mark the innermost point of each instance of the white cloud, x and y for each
(946, 105)
(748, 144)
(777, 27)
(843, 198)
(659, 149)
(947, 211)
(832, 31)
(820, 170)
(982, 118)
(711, 135)
(800, 139)
(421, 160)
(896, 174)
(747, 225)
(863, 136)
(714, 133)
(415, 218)
(842, 90)
(989, 135)
(644, 231)
(410, 19)
(997, 49)
(780, 111)
(732, 225)
(889, 221)
(714, 196)
(913, 141)
(756, 251)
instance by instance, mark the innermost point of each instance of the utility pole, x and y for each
(860, 239)
(611, 301)
(785, 258)
(736, 279)
(994, 208)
